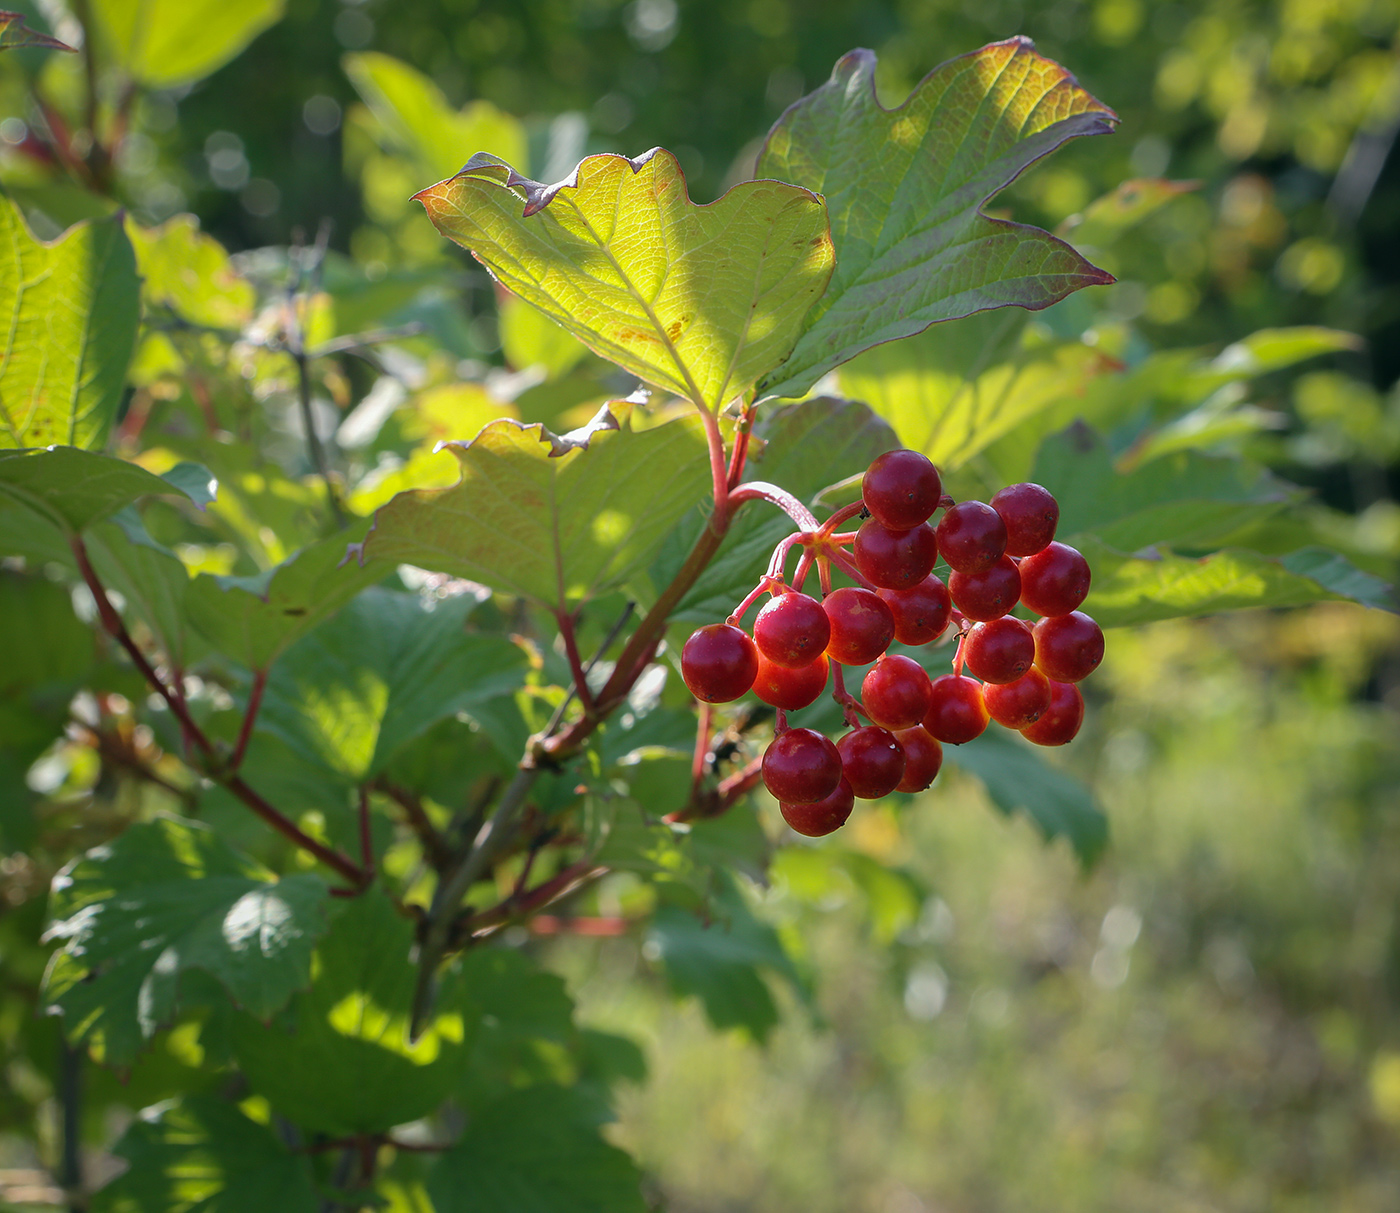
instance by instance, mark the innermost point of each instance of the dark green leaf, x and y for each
(912, 244)
(202, 1155)
(74, 489)
(169, 895)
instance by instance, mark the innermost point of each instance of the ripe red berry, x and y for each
(896, 692)
(1068, 648)
(895, 560)
(862, 626)
(957, 713)
(801, 766)
(1054, 581)
(988, 594)
(719, 663)
(1020, 703)
(871, 761)
(971, 536)
(1031, 514)
(787, 687)
(1061, 720)
(920, 613)
(823, 816)
(791, 629)
(901, 489)
(923, 758)
(999, 651)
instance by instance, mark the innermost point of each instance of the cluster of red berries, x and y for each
(1000, 554)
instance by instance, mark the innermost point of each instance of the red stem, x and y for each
(366, 838)
(846, 511)
(740, 452)
(250, 714)
(847, 566)
(761, 490)
(702, 746)
(566, 630)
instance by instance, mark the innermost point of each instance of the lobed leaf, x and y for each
(70, 309)
(164, 43)
(696, 300)
(905, 188)
(555, 519)
(167, 896)
(191, 274)
(14, 32)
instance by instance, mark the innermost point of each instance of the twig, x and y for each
(435, 849)
(353, 342)
(70, 1101)
(566, 633)
(250, 714)
(366, 838)
(590, 706)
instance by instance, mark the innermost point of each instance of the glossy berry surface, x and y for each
(801, 766)
(1059, 723)
(989, 594)
(971, 536)
(923, 758)
(896, 692)
(957, 713)
(1068, 648)
(1030, 513)
(787, 687)
(792, 630)
(862, 626)
(999, 651)
(1055, 581)
(719, 663)
(895, 560)
(823, 816)
(901, 489)
(1020, 703)
(921, 613)
(872, 762)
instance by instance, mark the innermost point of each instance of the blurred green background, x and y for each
(1208, 1020)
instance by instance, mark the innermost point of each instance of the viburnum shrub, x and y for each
(342, 650)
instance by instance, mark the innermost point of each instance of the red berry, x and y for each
(971, 536)
(999, 651)
(862, 626)
(801, 766)
(788, 688)
(1068, 648)
(901, 489)
(1031, 514)
(871, 761)
(988, 594)
(791, 629)
(957, 713)
(895, 560)
(1061, 720)
(719, 662)
(920, 613)
(823, 816)
(923, 758)
(896, 692)
(1054, 581)
(1017, 704)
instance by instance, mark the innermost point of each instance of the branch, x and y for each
(250, 714)
(435, 848)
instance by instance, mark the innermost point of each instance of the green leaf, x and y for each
(954, 389)
(1018, 779)
(1107, 219)
(418, 120)
(253, 619)
(151, 579)
(828, 873)
(199, 1154)
(1129, 591)
(166, 896)
(340, 1061)
(558, 520)
(534, 1151)
(806, 447)
(696, 300)
(530, 340)
(14, 32)
(190, 274)
(74, 489)
(70, 309)
(1183, 500)
(913, 246)
(387, 668)
(163, 43)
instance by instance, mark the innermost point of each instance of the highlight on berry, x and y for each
(943, 590)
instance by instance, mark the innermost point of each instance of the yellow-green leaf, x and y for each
(696, 300)
(161, 43)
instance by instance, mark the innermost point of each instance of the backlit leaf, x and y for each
(14, 32)
(69, 309)
(555, 519)
(696, 300)
(905, 189)
(162, 43)
(189, 273)
(169, 895)
(73, 489)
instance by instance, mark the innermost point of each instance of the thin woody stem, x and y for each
(250, 714)
(566, 632)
